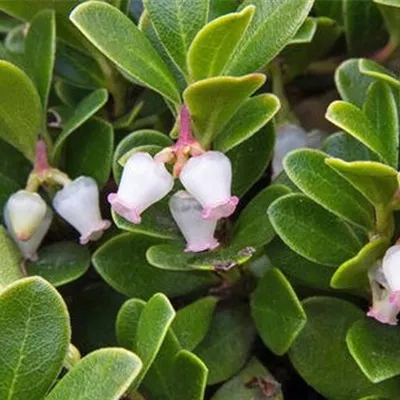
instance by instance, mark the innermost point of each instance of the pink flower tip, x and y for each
(96, 232)
(395, 298)
(123, 209)
(201, 246)
(221, 210)
(384, 319)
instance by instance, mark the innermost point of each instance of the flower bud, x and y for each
(25, 211)
(198, 232)
(78, 204)
(144, 182)
(29, 247)
(208, 178)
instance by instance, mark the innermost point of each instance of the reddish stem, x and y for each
(185, 132)
(41, 160)
(385, 53)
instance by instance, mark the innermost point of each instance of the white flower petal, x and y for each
(391, 267)
(198, 232)
(144, 181)
(78, 204)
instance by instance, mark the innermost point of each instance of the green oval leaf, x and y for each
(213, 46)
(306, 32)
(307, 169)
(311, 231)
(61, 263)
(104, 374)
(34, 336)
(20, 109)
(277, 312)
(374, 70)
(115, 35)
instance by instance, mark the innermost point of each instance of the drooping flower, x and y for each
(144, 182)
(25, 212)
(29, 247)
(198, 232)
(208, 178)
(383, 309)
(78, 204)
(391, 270)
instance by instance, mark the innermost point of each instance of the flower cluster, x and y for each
(384, 279)
(28, 217)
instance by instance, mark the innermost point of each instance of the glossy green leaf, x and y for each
(40, 45)
(122, 263)
(277, 312)
(297, 269)
(69, 95)
(351, 83)
(248, 120)
(261, 43)
(192, 322)
(127, 322)
(328, 366)
(83, 111)
(93, 155)
(104, 374)
(394, 3)
(306, 32)
(307, 169)
(221, 7)
(154, 322)
(353, 273)
(34, 335)
(61, 263)
(311, 231)
(124, 44)
(215, 43)
(253, 227)
(189, 379)
(251, 158)
(20, 111)
(135, 139)
(214, 101)
(374, 70)
(177, 23)
(391, 16)
(10, 260)
(227, 344)
(376, 181)
(238, 387)
(376, 349)
(351, 119)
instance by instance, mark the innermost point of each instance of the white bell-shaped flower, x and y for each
(208, 179)
(29, 247)
(391, 270)
(78, 204)
(198, 232)
(144, 181)
(25, 211)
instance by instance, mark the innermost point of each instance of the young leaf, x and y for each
(82, 112)
(248, 120)
(61, 263)
(40, 49)
(307, 169)
(192, 322)
(124, 44)
(93, 155)
(177, 23)
(254, 51)
(214, 101)
(9, 262)
(277, 312)
(353, 273)
(376, 181)
(375, 348)
(302, 224)
(122, 263)
(215, 43)
(351, 119)
(306, 32)
(253, 227)
(34, 333)
(104, 374)
(227, 345)
(374, 70)
(154, 322)
(321, 357)
(20, 112)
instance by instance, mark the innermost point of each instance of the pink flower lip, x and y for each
(381, 318)
(123, 209)
(202, 246)
(222, 209)
(96, 232)
(395, 298)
